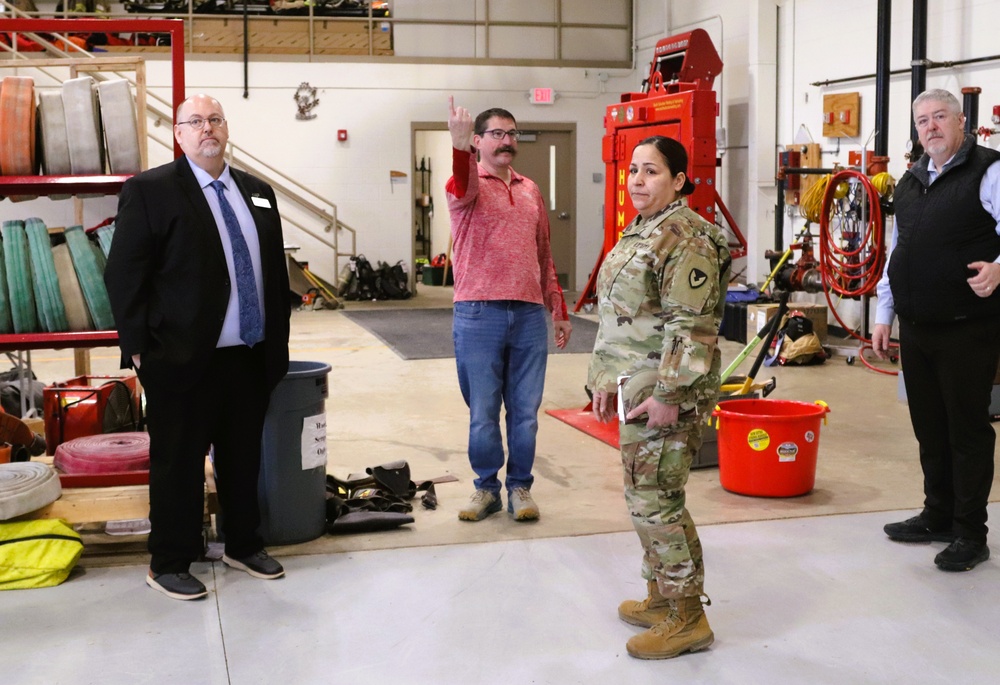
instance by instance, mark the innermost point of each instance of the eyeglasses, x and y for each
(197, 123)
(500, 134)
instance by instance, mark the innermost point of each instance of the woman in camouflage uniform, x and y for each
(661, 298)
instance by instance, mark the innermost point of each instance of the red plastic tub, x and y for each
(767, 448)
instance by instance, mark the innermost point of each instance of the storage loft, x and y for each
(267, 35)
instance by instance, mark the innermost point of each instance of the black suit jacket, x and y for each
(168, 282)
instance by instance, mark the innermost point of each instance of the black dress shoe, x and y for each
(917, 529)
(962, 555)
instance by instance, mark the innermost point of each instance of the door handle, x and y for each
(563, 215)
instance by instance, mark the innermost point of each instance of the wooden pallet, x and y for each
(88, 506)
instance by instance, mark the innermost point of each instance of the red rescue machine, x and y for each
(677, 101)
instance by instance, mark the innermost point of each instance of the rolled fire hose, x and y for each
(17, 129)
(105, 234)
(48, 296)
(120, 128)
(90, 273)
(18, 264)
(77, 314)
(105, 453)
(52, 130)
(26, 486)
(6, 324)
(83, 129)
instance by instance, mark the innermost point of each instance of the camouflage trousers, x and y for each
(656, 470)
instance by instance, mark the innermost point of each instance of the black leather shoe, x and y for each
(917, 529)
(962, 555)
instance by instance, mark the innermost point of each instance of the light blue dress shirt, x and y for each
(230, 335)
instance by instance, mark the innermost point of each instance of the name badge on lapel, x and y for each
(259, 201)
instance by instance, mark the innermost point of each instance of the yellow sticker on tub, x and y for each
(758, 439)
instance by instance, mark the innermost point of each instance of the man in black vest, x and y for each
(941, 283)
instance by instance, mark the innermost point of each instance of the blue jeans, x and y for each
(501, 348)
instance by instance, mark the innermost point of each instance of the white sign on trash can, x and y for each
(313, 442)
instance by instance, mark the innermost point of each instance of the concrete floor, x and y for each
(804, 589)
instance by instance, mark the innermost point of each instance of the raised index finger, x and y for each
(451, 104)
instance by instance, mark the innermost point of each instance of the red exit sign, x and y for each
(543, 96)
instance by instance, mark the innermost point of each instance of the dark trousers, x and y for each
(948, 370)
(225, 409)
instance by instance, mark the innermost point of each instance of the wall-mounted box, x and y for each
(842, 115)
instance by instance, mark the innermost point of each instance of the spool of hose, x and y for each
(6, 324)
(25, 487)
(77, 314)
(17, 127)
(105, 234)
(48, 297)
(106, 453)
(83, 131)
(120, 128)
(55, 144)
(89, 270)
(19, 286)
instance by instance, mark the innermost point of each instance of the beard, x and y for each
(212, 149)
(936, 145)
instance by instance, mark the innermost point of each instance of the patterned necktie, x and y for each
(251, 328)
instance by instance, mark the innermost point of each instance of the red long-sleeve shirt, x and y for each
(500, 238)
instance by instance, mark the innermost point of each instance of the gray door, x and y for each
(547, 157)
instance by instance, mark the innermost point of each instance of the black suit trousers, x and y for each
(948, 371)
(225, 409)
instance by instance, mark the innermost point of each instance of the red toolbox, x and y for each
(90, 405)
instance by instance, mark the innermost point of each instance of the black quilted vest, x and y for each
(941, 228)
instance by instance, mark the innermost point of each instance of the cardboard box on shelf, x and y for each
(760, 314)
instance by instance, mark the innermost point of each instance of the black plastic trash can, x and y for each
(292, 485)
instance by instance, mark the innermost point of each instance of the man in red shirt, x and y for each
(504, 283)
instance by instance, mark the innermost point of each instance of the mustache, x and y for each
(506, 148)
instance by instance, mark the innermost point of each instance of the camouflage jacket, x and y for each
(661, 296)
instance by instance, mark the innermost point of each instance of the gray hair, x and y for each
(938, 95)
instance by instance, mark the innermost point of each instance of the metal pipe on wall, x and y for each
(970, 105)
(882, 78)
(947, 64)
(779, 215)
(918, 68)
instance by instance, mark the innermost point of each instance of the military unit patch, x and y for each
(694, 275)
(697, 278)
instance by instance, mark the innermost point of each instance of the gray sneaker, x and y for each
(258, 565)
(521, 506)
(177, 585)
(481, 504)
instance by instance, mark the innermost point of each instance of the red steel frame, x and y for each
(46, 185)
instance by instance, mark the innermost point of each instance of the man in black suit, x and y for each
(198, 285)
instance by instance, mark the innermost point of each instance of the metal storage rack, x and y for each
(90, 185)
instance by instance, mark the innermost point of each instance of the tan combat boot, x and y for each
(649, 611)
(686, 630)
